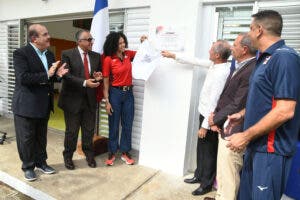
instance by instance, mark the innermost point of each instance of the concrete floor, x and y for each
(117, 182)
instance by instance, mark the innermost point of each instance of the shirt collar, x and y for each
(115, 55)
(219, 64)
(241, 64)
(81, 51)
(39, 52)
(274, 46)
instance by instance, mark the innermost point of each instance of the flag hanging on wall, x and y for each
(100, 25)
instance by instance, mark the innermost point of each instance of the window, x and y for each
(232, 21)
(116, 21)
(9, 42)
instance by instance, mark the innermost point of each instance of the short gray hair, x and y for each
(223, 48)
(78, 34)
(246, 41)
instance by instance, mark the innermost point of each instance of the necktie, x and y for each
(232, 68)
(86, 66)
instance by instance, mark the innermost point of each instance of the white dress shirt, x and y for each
(213, 85)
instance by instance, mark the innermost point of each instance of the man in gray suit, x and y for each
(78, 97)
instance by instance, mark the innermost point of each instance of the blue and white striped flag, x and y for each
(100, 25)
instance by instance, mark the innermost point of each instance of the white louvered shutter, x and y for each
(232, 21)
(291, 20)
(9, 41)
(137, 24)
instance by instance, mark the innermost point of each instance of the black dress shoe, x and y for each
(192, 180)
(46, 169)
(69, 164)
(201, 191)
(30, 175)
(91, 162)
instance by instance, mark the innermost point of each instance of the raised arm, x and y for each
(184, 59)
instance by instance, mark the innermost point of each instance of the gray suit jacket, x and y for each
(73, 92)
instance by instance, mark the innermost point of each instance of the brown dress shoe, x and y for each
(91, 162)
(69, 164)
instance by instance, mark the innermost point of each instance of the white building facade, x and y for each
(166, 116)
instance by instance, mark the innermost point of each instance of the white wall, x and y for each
(18, 9)
(168, 93)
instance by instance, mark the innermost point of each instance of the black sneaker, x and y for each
(30, 175)
(46, 169)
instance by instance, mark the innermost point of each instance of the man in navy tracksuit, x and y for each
(272, 112)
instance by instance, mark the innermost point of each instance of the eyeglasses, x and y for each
(89, 39)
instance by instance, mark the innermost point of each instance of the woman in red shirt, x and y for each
(117, 74)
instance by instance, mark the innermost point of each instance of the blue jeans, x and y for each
(122, 103)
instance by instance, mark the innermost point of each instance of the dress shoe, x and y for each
(201, 191)
(69, 164)
(30, 175)
(46, 169)
(209, 198)
(192, 180)
(91, 162)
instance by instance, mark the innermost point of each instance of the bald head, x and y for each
(38, 35)
(33, 31)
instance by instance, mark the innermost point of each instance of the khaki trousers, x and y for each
(229, 164)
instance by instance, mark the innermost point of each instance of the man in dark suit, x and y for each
(78, 97)
(35, 68)
(233, 99)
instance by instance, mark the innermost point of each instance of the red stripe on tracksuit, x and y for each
(271, 135)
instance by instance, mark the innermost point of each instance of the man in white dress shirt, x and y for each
(207, 146)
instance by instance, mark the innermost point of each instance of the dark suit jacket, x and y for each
(73, 92)
(234, 95)
(33, 95)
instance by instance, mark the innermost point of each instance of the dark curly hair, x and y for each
(111, 43)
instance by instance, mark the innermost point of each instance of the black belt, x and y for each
(123, 88)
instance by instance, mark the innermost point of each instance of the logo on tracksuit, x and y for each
(262, 188)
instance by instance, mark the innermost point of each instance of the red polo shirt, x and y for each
(119, 70)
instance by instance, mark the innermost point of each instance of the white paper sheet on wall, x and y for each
(147, 58)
